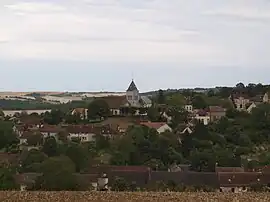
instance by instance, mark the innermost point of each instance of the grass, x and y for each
(127, 196)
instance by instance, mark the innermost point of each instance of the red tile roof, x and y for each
(103, 129)
(155, 125)
(229, 169)
(50, 129)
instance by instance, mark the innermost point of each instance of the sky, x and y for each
(101, 45)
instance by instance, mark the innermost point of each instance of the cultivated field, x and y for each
(126, 197)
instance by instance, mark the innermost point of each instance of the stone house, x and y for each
(88, 133)
(188, 108)
(216, 113)
(240, 102)
(50, 131)
(202, 116)
(82, 112)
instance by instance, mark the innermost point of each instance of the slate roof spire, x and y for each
(132, 86)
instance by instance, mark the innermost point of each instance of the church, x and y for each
(134, 99)
(123, 105)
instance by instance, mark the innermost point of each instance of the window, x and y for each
(129, 97)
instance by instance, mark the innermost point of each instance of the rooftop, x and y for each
(132, 86)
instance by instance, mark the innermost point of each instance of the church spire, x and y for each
(132, 86)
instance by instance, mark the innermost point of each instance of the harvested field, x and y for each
(126, 197)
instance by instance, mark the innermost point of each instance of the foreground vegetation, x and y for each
(129, 196)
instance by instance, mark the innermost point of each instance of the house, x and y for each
(50, 131)
(186, 178)
(266, 98)
(160, 127)
(87, 133)
(188, 108)
(137, 175)
(216, 113)
(238, 182)
(240, 101)
(119, 124)
(184, 128)
(24, 136)
(166, 116)
(244, 103)
(26, 180)
(202, 116)
(250, 107)
(82, 112)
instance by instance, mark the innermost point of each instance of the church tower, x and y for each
(133, 95)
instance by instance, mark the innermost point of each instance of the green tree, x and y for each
(7, 136)
(50, 147)
(73, 119)
(54, 117)
(32, 160)
(78, 154)
(153, 114)
(198, 102)
(176, 100)
(35, 139)
(120, 184)
(161, 97)
(7, 181)
(98, 109)
(57, 175)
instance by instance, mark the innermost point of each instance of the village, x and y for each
(111, 117)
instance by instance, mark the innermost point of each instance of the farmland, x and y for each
(125, 196)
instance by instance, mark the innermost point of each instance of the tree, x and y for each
(240, 86)
(35, 139)
(98, 109)
(7, 136)
(57, 175)
(120, 184)
(73, 119)
(78, 154)
(198, 102)
(32, 160)
(153, 114)
(50, 147)
(210, 93)
(102, 142)
(161, 97)
(179, 116)
(7, 181)
(176, 100)
(54, 117)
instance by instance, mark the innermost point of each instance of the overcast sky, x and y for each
(94, 45)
